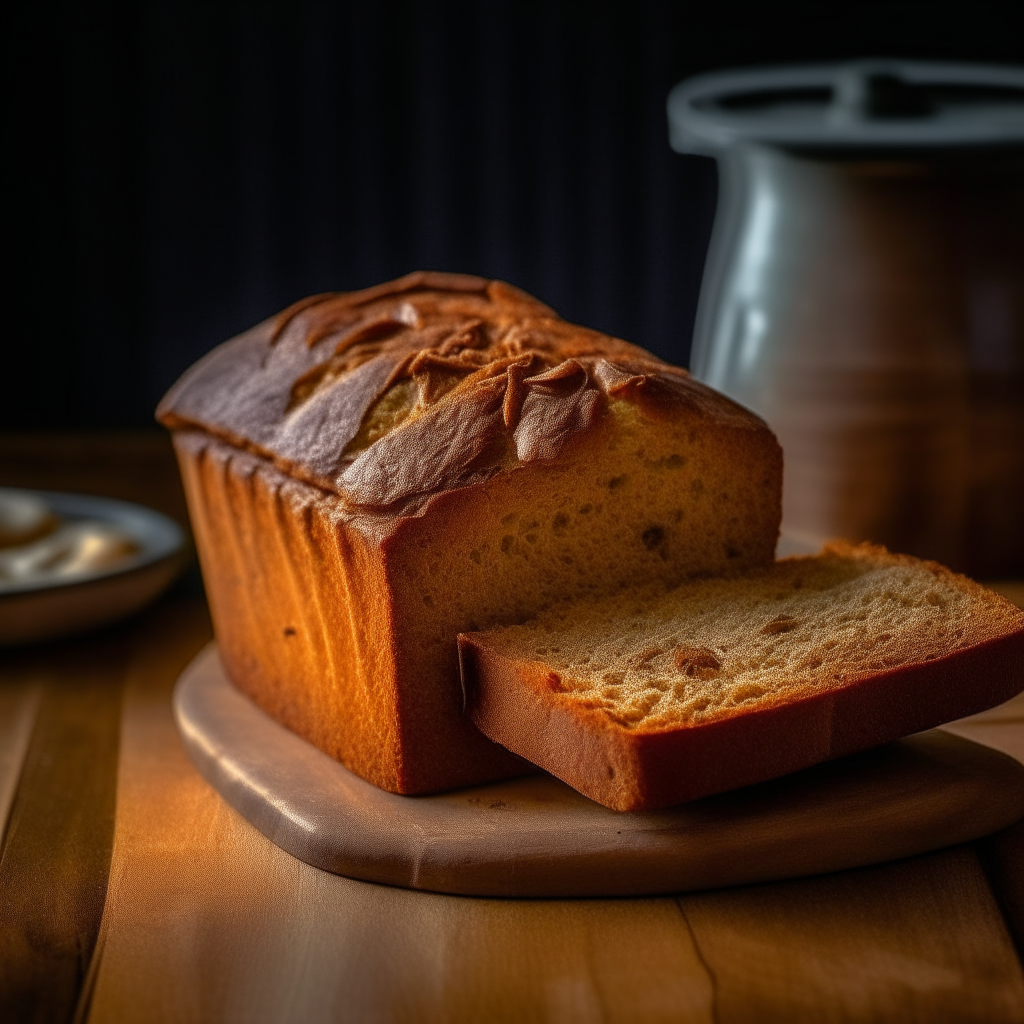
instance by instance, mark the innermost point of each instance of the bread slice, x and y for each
(656, 696)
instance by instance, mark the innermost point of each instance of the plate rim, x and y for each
(169, 539)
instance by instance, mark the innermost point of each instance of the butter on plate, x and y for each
(24, 517)
(36, 546)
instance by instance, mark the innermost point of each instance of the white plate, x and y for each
(47, 609)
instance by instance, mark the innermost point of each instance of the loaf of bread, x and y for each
(370, 474)
(659, 695)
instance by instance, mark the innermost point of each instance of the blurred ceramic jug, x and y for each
(864, 293)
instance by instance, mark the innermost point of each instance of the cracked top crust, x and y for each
(390, 395)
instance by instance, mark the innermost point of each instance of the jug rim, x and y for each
(852, 107)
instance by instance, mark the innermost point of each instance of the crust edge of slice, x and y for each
(513, 703)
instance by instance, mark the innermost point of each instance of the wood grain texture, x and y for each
(56, 848)
(207, 920)
(1002, 857)
(918, 940)
(536, 836)
(19, 704)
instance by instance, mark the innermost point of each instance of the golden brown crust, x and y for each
(517, 698)
(305, 623)
(492, 379)
(511, 701)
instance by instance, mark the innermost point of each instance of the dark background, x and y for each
(181, 171)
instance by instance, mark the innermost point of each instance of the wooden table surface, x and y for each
(129, 891)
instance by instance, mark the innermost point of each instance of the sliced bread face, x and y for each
(653, 696)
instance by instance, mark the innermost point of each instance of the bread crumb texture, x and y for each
(652, 658)
(639, 501)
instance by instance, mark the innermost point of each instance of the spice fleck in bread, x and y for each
(655, 696)
(369, 474)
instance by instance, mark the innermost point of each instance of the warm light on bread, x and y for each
(371, 474)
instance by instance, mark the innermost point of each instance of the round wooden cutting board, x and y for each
(535, 836)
